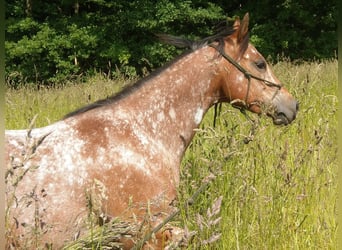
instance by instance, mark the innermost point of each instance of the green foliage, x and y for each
(298, 30)
(51, 42)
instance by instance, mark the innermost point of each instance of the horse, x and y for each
(121, 156)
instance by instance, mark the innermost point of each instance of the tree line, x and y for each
(49, 42)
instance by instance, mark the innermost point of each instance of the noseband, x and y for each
(248, 75)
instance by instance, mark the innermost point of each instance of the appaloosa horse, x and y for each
(126, 150)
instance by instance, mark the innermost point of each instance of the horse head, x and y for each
(248, 81)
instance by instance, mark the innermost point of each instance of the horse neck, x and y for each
(172, 104)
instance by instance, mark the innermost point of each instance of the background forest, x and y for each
(50, 42)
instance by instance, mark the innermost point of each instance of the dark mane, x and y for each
(179, 42)
(125, 92)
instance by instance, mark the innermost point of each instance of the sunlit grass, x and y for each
(279, 190)
(52, 104)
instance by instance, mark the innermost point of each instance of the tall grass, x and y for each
(278, 184)
(279, 189)
(51, 104)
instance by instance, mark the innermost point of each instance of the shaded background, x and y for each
(55, 41)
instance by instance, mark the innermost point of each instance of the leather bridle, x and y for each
(247, 74)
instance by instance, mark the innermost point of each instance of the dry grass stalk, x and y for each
(16, 170)
(108, 236)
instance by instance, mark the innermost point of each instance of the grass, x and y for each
(278, 191)
(51, 104)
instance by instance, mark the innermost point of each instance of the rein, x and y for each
(248, 75)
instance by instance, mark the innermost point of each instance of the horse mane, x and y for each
(180, 42)
(222, 31)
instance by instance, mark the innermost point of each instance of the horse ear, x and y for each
(243, 28)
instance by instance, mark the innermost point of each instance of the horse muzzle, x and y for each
(285, 111)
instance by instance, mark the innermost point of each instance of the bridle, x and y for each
(248, 75)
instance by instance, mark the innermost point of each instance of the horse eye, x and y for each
(260, 64)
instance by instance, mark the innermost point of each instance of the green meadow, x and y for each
(269, 187)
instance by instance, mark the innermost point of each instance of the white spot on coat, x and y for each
(199, 115)
(160, 117)
(172, 114)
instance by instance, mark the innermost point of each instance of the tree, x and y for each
(50, 42)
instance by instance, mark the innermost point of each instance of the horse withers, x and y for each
(121, 156)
